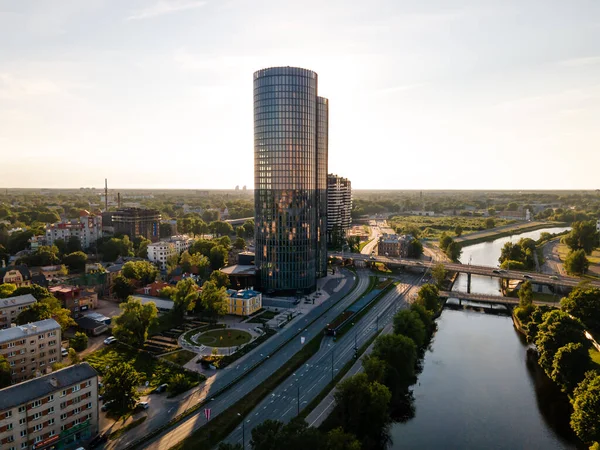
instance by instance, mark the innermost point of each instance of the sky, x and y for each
(436, 94)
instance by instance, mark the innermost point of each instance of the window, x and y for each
(22, 421)
(36, 416)
(10, 438)
(63, 393)
(89, 405)
(39, 439)
(50, 422)
(10, 345)
(63, 416)
(36, 404)
(51, 398)
(51, 410)
(11, 354)
(23, 444)
(76, 388)
(7, 414)
(38, 427)
(23, 433)
(9, 426)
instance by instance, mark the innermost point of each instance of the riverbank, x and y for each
(509, 230)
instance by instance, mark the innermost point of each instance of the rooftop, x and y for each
(244, 293)
(159, 302)
(239, 269)
(19, 300)
(21, 331)
(40, 387)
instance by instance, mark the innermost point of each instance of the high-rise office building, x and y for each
(339, 205)
(290, 179)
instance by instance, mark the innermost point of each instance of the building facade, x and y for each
(31, 349)
(339, 206)
(137, 222)
(87, 228)
(159, 252)
(244, 302)
(11, 307)
(290, 175)
(51, 412)
(394, 245)
(75, 299)
(17, 275)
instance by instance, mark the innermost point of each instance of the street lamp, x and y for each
(243, 432)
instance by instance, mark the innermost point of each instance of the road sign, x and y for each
(302, 339)
(207, 413)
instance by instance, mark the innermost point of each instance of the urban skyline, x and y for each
(475, 83)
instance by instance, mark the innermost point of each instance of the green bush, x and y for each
(79, 342)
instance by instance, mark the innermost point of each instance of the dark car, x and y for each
(495, 271)
(528, 277)
(98, 440)
(161, 388)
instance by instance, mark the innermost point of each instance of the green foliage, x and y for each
(415, 249)
(583, 236)
(445, 241)
(122, 287)
(5, 376)
(79, 342)
(73, 245)
(374, 368)
(439, 274)
(409, 324)
(521, 251)
(583, 302)
(45, 255)
(425, 315)
(218, 257)
(453, 251)
(576, 263)
(400, 355)
(202, 246)
(178, 383)
(120, 386)
(586, 408)
(7, 289)
(220, 279)
(338, 439)
(220, 228)
(214, 300)
(490, 223)
(46, 308)
(75, 261)
(526, 294)
(458, 230)
(434, 227)
(239, 243)
(143, 271)
(131, 326)
(536, 318)
(39, 292)
(73, 356)
(271, 435)
(570, 364)
(513, 265)
(112, 248)
(428, 297)
(353, 244)
(184, 295)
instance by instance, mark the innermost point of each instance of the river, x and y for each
(478, 388)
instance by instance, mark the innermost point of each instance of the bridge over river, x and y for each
(491, 299)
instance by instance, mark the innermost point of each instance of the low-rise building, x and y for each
(51, 412)
(31, 349)
(11, 307)
(36, 242)
(87, 228)
(75, 299)
(17, 275)
(159, 252)
(163, 305)
(244, 302)
(152, 289)
(394, 245)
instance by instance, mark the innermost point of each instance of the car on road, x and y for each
(143, 405)
(107, 405)
(162, 388)
(110, 340)
(495, 271)
(528, 277)
(554, 277)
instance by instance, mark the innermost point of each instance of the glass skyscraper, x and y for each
(290, 179)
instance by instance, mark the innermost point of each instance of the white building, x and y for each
(339, 204)
(88, 228)
(159, 252)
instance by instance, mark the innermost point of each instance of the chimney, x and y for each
(54, 382)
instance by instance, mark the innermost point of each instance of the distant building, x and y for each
(152, 289)
(163, 305)
(87, 228)
(243, 274)
(393, 245)
(31, 349)
(55, 411)
(11, 307)
(159, 252)
(172, 224)
(137, 222)
(17, 275)
(75, 299)
(339, 205)
(36, 242)
(515, 215)
(244, 302)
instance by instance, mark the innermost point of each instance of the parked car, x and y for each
(107, 405)
(528, 277)
(143, 405)
(161, 388)
(110, 340)
(64, 352)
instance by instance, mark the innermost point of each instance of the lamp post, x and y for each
(243, 432)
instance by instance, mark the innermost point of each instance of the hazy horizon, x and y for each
(477, 95)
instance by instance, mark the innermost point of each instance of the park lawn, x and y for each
(433, 227)
(153, 370)
(224, 338)
(594, 259)
(595, 355)
(180, 357)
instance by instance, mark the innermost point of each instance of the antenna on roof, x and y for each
(106, 194)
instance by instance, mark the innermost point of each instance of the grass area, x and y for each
(180, 357)
(363, 245)
(218, 428)
(187, 336)
(433, 227)
(224, 338)
(116, 434)
(154, 370)
(595, 355)
(264, 317)
(594, 259)
(228, 359)
(542, 297)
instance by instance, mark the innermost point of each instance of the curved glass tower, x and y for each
(290, 179)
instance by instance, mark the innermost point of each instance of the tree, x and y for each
(239, 244)
(143, 271)
(203, 246)
(249, 228)
(122, 287)
(429, 296)
(576, 263)
(120, 386)
(201, 265)
(115, 247)
(458, 230)
(218, 257)
(5, 372)
(490, 223)
(569, 366)
(338, 439)
(265, 436)
(491, 212)
(7, 289)
(178, 383)
(39, 292)
(583, 302)
(408, 323)
(131, 326)
(79, 342)
(400, 354)
(221, 228)
(73, 245)
(425, 315)
(439, 274)
(586, 408)
(415, 249)
(526, 295)
(362, 406)
(142, 247)
(374, 368)
(61, 245)
(454, 251)
(219, 278)
(185, 295)
(445, 241)
(512, 206)
(185, 261)
(200, 227)
(75, 261)
(73, 356)
(353, 243)
(164, 230)
(46, 308)
(228, 446)
(583, 236)
(214, 300)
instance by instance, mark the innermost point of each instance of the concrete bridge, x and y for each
(491, 299)
(538, 278)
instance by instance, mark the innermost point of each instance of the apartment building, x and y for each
(75, 299)
(159, 252)
(51, 412)
(244, 302)
(87, 228)
(339, 205)
(11, 307)
(31, 349)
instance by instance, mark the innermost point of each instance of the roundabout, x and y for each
(227, 337)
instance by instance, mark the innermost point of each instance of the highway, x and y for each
(540, 278)
(269, 364)
(301, 388)
(375, 232)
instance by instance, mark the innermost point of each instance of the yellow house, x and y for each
(244, 302)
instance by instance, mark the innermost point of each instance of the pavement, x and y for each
(552, 263)
(234, 373)
(297, 391)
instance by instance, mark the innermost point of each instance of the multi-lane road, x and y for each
(308, 327)
(298, 390)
